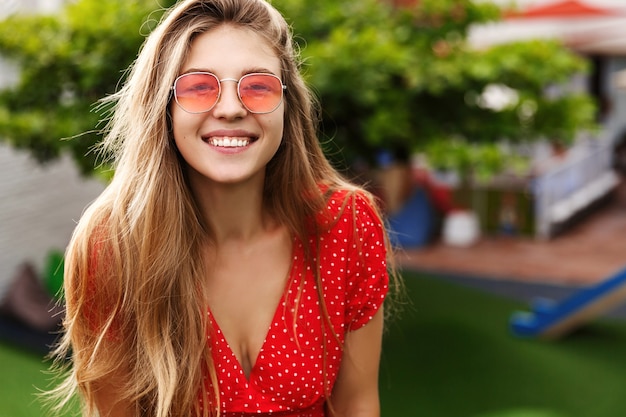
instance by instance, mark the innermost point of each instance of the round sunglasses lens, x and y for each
(260, 93)
(197, 93)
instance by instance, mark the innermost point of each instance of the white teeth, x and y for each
(230, 142)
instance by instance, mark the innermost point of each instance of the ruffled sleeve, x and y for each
(367, 280)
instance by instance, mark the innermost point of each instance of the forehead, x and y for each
(229, 50)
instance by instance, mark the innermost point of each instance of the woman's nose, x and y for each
(228, 104)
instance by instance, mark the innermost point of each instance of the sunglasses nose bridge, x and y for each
(222, 90)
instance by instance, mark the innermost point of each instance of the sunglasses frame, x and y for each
(219, 91)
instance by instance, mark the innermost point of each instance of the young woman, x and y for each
(227, 269)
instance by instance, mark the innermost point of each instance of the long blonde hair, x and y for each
(134, 261)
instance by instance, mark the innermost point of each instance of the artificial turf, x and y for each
(23, 376)
(450, 354)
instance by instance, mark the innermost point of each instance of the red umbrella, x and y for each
(560, 10)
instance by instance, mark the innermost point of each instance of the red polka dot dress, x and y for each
(301, 355)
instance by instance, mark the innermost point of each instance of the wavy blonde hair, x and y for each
(133, 265)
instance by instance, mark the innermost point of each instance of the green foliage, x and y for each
(390, 78)
(53, 273)
(68, 62)
(482, 160)
(386, 77)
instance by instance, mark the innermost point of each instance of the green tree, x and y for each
(68, 62)
(386, 77)
(406, 76)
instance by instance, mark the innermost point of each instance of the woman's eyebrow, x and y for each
(190, 70)
(250, 70)
(258, 70)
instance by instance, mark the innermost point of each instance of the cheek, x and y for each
(272, 125)
(279, 124)
(181, 123)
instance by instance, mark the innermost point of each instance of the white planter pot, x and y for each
(461, 228)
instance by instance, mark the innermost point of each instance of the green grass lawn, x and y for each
(449, 355)
(452, 355)
(22, 377)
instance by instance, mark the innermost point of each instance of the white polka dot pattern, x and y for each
(288, 377)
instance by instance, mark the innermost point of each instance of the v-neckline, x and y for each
(277, 311)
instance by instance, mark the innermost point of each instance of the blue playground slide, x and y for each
(551, 320)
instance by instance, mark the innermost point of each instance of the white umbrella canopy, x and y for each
(594, 27)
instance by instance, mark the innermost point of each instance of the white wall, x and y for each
(9, 73)
(39, 207)
(8, 7)
(615, 88)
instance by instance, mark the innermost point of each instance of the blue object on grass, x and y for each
(549, 319)
(412, 226)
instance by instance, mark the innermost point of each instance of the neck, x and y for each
(234, 212)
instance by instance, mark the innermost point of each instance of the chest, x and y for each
(299, 357)
(245, 285)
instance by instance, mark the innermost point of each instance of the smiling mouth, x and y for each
(229, 142)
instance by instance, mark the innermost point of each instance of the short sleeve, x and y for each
(368, 280)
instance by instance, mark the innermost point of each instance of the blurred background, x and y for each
(492, 132)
